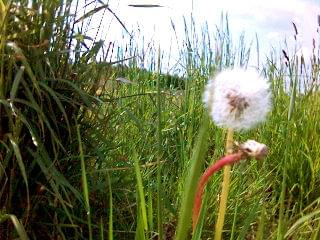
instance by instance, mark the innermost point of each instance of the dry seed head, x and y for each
(237, 103)
(237, 98)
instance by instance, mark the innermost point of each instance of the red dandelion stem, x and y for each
(226, 160)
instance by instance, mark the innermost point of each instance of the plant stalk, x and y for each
(159, 136)
(225, 189)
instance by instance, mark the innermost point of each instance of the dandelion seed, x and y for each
(237, 99)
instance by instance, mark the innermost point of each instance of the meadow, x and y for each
(92, 146)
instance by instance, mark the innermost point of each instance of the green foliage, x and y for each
(89, 150)
(42, 96)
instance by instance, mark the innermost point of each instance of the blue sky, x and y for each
(271, 20)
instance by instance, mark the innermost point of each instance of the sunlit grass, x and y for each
(74, 140)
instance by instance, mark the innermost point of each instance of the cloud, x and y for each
(271, 20)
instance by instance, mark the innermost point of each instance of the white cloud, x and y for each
(271, 20)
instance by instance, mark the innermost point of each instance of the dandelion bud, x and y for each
(254, 149)
(237, 99)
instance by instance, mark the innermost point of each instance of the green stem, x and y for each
(159, 199)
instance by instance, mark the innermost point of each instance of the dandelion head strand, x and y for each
(237, 98)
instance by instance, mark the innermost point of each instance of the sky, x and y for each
(271, 20)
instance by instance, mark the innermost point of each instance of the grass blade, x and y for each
(91, 13)
(159, 143)
(247, 222)
(140, 234)
(111, 211)
(17, 225)
(140, 192)
(16, 82)
(84, 183)
(197, 233)
(192, 180)
(150, 210)
(299, 222)
(17, 153)
(260, 231)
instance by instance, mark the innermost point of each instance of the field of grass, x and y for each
(95, 149)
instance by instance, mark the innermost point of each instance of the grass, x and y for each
(74, 140)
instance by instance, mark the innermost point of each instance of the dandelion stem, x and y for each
(249, 148)
(226, 160)
(225, 188)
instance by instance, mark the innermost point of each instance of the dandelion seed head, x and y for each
(237, 99)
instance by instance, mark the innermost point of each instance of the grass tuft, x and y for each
(55, 70)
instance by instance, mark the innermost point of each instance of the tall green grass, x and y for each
(75, 140)
(46, 88)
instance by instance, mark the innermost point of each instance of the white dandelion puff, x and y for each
(237, 99)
